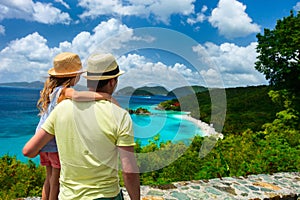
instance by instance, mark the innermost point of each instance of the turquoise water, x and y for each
(168, 124)
(18, 120)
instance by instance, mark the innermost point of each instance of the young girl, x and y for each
(65, 74)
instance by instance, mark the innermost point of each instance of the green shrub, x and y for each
(20, 179)
(274, 149)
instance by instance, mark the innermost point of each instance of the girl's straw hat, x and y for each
(66, 64)
(102, 67)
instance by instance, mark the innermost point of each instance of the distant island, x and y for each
(159, 90)
(127, 91)
(143, 91)
(35, 84)
(139, 111)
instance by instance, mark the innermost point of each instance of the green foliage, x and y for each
(139, 111)
(150, 91)
(246, 148)
(186, 90)
(170, 105)
(274, 149)
(279, 50)
(247, 107)
(19, 179)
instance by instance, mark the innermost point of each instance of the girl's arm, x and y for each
(34, 145)
(70, 93)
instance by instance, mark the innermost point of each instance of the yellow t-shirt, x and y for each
(87, 134)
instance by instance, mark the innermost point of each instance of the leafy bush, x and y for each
(276, 148)
(19, 179)
(170, 105)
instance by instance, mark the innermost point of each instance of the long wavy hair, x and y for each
(51, 83)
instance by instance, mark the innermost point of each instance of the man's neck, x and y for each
(100, 90)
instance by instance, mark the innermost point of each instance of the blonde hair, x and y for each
(51, 83)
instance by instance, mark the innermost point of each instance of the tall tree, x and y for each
(279, 53)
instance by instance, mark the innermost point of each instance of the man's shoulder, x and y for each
(104, 104)
(64, 103)
(112, 108)
(115, 107)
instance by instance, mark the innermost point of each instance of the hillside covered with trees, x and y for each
(246, 108)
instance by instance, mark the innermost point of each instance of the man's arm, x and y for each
(34, 145)
(130, 171)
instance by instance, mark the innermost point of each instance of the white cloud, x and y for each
(2, 30)
(45, 13)
(200, 17)
(31, 11)
(141, 72)
(107, 36)
(234, 64)
(160, 10)
(63, 3)
(297, 6)
(204, 9)
(231, 19)
(29, 58)
(25, 59)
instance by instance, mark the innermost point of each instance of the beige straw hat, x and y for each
(102, 67)
(66, 64)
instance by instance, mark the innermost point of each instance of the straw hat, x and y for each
(102, 67)
(66, 64)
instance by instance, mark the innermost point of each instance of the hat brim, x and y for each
(64, 75)
(103, 77)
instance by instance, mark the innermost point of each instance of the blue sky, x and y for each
(170, 43)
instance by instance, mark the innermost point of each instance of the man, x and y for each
(89, 136)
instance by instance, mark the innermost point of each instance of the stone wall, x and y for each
(254, 187)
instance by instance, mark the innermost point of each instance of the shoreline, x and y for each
(207, 129)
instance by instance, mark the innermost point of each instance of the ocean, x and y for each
(19, 117)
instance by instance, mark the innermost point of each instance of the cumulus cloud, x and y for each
(231, 19)
(25, 59)
(30, 57)
(234, 64)
(2, 30)
(33, 11)
(160, 10)
(106, 36)
(141, 72)
(297, 6)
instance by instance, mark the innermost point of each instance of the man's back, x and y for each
(87, 135)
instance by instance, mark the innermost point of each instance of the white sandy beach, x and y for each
(206, 128)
